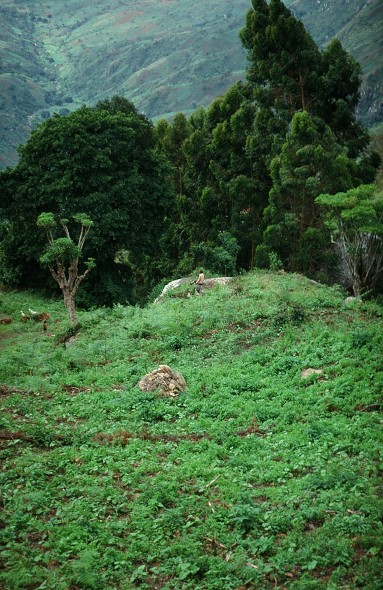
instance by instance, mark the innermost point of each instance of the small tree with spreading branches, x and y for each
(355, 219)
(62, 256)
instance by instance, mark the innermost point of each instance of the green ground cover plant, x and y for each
(257, 476)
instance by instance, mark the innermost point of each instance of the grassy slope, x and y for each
(167, 56)
(252, 478)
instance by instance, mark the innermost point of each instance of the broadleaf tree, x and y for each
(355, 219)
(100, 160)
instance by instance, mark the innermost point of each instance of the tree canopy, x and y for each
(100, 160)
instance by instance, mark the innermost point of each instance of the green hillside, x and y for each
(264, 473)
(166, 56)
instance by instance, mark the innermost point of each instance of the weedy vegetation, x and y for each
(258, 476)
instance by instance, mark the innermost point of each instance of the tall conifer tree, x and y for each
(288, 74)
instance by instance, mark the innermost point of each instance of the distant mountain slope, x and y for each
(165, 55)
(22, 78)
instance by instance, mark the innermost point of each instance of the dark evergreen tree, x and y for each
(284, 58)
(188, 149)
(289, 75)
(310, 162)
(252, 164)
(338, 96)
(169, 139)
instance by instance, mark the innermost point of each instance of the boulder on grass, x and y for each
(169, 382)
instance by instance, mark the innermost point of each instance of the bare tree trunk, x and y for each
(72, 311)
(301, 86)
(356, 286)
(70, 305)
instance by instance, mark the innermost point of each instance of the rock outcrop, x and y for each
(169, 382)
(208, 284)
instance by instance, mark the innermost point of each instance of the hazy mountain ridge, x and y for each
(166, 56)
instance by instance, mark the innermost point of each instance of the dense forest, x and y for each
(276, 173)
